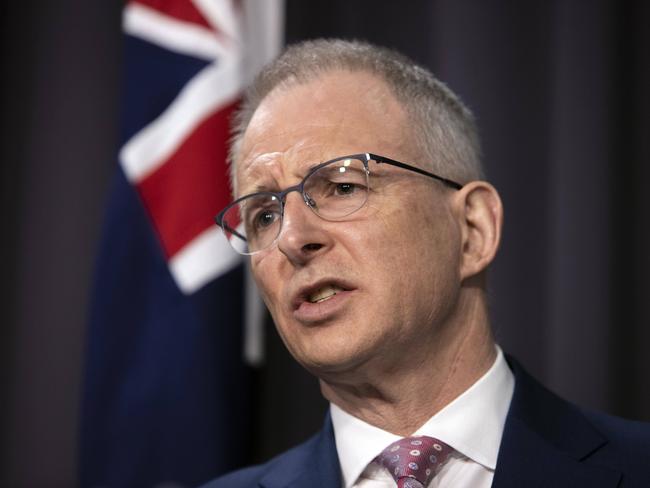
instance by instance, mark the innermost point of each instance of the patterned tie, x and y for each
(413, 461)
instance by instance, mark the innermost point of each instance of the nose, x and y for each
(303, 235)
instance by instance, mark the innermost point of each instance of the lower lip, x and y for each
(313, 313)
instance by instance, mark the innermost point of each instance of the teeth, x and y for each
(324, 293)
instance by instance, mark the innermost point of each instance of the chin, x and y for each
(332, 361)
(330, 349)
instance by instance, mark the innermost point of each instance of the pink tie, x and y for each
(413, 461)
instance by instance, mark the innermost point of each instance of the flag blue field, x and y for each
(166, 398)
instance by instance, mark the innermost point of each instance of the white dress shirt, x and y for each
(472, 424)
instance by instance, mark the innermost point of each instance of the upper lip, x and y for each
(304, 292)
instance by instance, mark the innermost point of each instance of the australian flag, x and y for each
(166, 391)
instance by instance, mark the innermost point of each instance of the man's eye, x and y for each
(264, 219)
(345, 188)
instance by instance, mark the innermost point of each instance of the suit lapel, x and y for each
(546, 442)
(313, 465)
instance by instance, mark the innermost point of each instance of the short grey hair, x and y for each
(444, 128)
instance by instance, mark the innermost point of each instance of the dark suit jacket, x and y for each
(547, 442)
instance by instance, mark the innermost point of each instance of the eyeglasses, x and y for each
(333, 190)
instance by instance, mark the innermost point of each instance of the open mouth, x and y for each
(321, 301)
(319, 292)
(324, 293)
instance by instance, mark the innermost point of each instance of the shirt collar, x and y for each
(472, 424)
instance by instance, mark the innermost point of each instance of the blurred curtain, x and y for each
(60, 80)
(560, 90)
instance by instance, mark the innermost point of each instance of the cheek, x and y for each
(384, 252)
(434, 233)
(267, 281)
(419, 248)
(397, 233)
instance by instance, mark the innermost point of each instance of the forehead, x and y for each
(335, 114)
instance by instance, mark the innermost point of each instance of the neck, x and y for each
(400, 398)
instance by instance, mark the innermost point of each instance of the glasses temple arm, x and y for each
(227, 228)
(392, 162)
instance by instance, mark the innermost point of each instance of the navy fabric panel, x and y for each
(154, 78)
(165, 387)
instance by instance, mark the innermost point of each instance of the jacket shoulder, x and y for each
(243, 477)
(251, 476)
(585, 447)
(628, 445)
(622, 432)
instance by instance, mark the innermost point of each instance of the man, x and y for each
(360, 200)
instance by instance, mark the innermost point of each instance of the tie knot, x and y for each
(413, 461)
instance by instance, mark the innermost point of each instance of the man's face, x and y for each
(394, 264)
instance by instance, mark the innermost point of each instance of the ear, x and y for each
(481, 218)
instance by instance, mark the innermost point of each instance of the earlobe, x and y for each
(481, 221)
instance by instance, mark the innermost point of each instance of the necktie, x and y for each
(413, 461)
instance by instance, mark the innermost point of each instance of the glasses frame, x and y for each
(300, 188)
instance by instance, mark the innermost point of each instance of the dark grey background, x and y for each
(560, 89)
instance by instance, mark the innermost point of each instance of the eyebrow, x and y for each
(311, 167)
(257, 188)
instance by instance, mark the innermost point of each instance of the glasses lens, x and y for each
(252, 224)
(337, 189)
